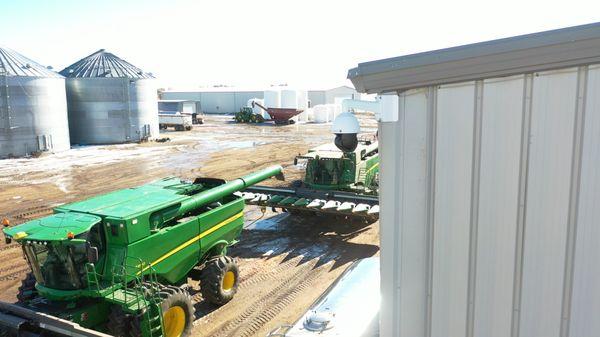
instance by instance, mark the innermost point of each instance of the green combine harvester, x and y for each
(118, 263)
(340, 181)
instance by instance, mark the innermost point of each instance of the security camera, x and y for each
(346, 129)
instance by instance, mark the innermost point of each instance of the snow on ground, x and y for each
(269, 224)
(76, 157)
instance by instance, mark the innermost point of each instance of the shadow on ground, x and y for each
(290, 236)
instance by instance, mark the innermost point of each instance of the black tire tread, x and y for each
(212, 277)
(170, 295)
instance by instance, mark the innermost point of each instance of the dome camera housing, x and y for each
(346, 129)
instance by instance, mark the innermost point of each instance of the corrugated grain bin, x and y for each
(110, 101)
(490, 191)
(33, 107)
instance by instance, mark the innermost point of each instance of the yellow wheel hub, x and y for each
(228, 281)
(174, 321)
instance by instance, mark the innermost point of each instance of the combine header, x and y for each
(118, 263)
(341, 182)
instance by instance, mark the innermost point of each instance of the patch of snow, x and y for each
(269, 224)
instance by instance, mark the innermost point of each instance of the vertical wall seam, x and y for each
(578, 134)
(399, 216)
(522, 204)
(431, 147)
(474, 215)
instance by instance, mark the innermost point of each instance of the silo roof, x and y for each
(103, 64)
(15, 64)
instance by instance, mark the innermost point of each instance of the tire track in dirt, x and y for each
(275, 307)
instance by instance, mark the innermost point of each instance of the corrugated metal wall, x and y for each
(491, 208)
(215, 102)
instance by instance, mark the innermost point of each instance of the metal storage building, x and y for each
(33, 107)
(110, 101)
(490, 192)
(216, 100)
(332, 95)
(231, 99)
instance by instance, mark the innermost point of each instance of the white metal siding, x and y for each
(547, 203)
(490, 208)
(414, 200)
(454, 134)
(501, 122)
(586, 300)
(215, 101)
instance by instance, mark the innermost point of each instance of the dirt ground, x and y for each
(285, 262)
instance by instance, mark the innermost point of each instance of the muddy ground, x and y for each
(285, 262)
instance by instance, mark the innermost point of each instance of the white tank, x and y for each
(256, 109)
(310, 114)
(272, 98)
(337, 109)
(330, 111)
(289, 99)
(303, 116)
(302, 99)
(321, 113)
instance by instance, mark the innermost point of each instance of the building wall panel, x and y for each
(454, 146)
(414, 197)
(490, 212)
(501, 123)
(585, 304)
(547, 201)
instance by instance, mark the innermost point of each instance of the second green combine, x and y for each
(340, 181)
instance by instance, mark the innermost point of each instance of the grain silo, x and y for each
(33, 107)
(110, 101)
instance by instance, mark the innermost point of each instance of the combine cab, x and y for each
(336, 183)
(118, 263)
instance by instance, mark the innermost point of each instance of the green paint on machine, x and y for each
(122, 255)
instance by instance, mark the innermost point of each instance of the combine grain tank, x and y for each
(110, 101)
(33, 107)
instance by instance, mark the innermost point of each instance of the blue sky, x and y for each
(306, 43)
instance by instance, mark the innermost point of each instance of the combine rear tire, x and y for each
(219, 280)
(27, 289)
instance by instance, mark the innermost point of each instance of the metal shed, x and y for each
(33, 107)
(490, 187)
(110, 101)
(218, 100)
(332, 95)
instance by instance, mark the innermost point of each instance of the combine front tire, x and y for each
(27, 289)
(178, 312)
(219, 280)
